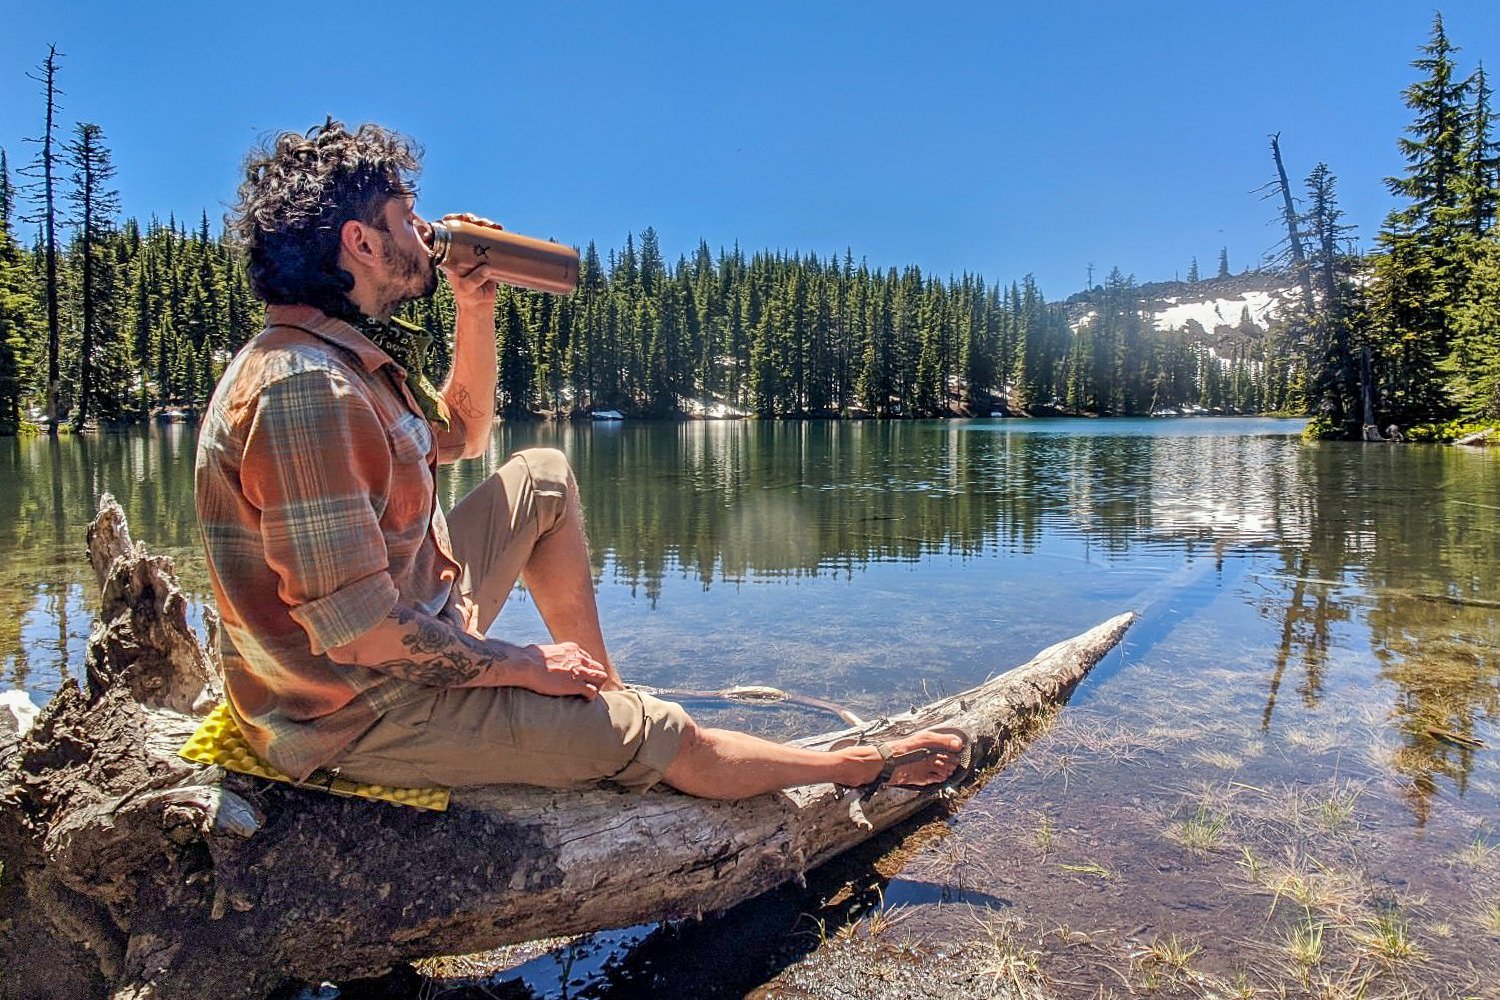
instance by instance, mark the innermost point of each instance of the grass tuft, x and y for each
(1167, 957)
(1388, 937)
(1201, 830)
(1221, 760)
(1488, 917)
(1304, 943)
(1337, 810)
(1004, 962)
(1174, 952)
(1045, 835)
(1090, 868)
(1476, 853)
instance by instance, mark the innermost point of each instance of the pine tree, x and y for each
(515, 376)
(1434, 145)
(1480, 181)
(1334, 362)
(1192, 274)
(1223, 262)
(1474, 367)
(17, 310)
(42, 172)
(1421, 277)
(95, 205)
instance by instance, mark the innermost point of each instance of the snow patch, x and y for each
(710, 409)
(1087, 319)
(1261, 306)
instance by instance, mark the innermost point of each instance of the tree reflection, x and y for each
(1396, 539)
(48, 495)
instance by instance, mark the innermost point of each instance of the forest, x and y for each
(105, 321)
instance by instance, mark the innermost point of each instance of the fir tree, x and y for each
(17, 310)
(95, 205)
(43, 173)
(1421, 278)
(1480, 181)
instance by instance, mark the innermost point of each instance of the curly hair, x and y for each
(296, 197)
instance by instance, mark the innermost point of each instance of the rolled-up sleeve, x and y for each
(317, 466)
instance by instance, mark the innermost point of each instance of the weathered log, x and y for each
(1487, 436)
(129, 872)
(141, 637)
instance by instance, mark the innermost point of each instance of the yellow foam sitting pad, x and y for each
(219, 741)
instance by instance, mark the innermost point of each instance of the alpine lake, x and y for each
(1285, 782)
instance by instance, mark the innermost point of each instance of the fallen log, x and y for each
(129, 872)
(1487, 436)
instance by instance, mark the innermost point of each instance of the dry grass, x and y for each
(877, 923)
(1487, 916)
(1387, 936)
(1089, 868)
(1303, 944)
(1313, 886)
(1165, 959)
(1221, 760)
(1005, 963)
(1477, 853)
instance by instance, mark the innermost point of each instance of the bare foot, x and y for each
(933, 757)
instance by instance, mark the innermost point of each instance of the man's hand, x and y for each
(560, 670)
(470, 391)
(471, 289)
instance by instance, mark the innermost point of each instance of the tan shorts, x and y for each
(494, 736)
(486, 736)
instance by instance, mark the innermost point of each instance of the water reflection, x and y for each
(1379, 557)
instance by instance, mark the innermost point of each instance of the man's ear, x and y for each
(358, 242)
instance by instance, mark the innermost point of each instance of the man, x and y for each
(354, 613)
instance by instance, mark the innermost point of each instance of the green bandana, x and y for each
(407, 345)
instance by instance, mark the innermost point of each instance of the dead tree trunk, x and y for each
(1291, 219)
(131, 873)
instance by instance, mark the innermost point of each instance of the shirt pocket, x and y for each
(409, 502)
(411, 440)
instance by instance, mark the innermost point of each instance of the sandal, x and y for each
(896, 760)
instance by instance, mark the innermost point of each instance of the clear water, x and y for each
(875, 564)
(1320, 627)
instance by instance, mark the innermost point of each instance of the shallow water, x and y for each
(1312, 614)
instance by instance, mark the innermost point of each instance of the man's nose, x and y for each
(424, 230)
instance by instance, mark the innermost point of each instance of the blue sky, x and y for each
(999, 138)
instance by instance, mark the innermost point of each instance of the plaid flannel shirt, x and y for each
(316, 500)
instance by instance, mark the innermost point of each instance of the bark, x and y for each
(129, 872)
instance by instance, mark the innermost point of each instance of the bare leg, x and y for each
(724, 764)
(561, 583)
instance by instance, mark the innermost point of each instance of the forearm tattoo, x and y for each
(442, 655)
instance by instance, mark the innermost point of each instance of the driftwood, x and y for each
(1489, 435)
(128, 872)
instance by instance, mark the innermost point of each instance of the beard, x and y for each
(413, 275)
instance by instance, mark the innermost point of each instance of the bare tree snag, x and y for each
(130, 873)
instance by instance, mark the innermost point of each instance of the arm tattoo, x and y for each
(441, 654)
(464, 402)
